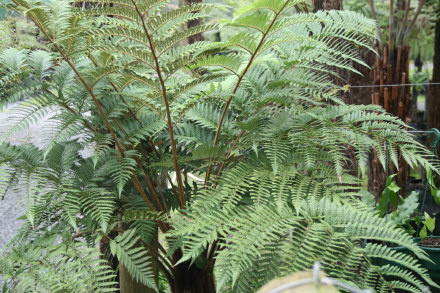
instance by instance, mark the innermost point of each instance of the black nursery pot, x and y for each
(434, 255)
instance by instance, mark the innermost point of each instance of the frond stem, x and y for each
(165, 260)
(147, 179)
(240, 78)
(234, 143)
(167, 107)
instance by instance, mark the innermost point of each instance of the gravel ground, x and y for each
(13, 205)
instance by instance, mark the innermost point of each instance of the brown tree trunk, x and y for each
(433, 107)
(341, 78)
(192, 279)
(327, 5)
(392, 68)
(361, 95)
(127, 283)
(195, 22)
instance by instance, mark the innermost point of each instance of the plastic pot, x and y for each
(434, 255)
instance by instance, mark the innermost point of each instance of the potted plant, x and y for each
(405, 215)
(394, 207)
(426, 240)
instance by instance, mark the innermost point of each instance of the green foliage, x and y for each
(18, 31)
(434, 190)
(44, 266)
(403, 210)
(134, 257)
(428, 225)
(137, 117)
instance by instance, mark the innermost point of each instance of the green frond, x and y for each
(193, 86)
(168, 42)
(260, 24)
(63, 130)
(245, 41)
(133, 215)
(134, 257)
(193, 135)
(208, 115)
(119, 168)
(175, 17)
(122, 11)
(71, 203)
(136, 35)
(230, 62)
(153, 84)
(13, 60)
(400, 258)
(98, 204)
(7, 179)
(274, 6)
(45, 267)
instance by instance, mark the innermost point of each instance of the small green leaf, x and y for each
(436, 195)
(423, 233)
(393, 186)
(393, 198)
(429, 222)
(390, 179)
(382, 205)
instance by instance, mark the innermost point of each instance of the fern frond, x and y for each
(48, 267)
(134, 257)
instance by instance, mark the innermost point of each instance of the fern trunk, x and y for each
(190, 278)
(129, 285)
(392, 67)
(433, 107)
(194, 22)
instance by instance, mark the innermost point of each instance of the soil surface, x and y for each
(430, 242)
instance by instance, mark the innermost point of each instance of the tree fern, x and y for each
(135, 117)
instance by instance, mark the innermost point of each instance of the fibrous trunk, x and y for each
(193, 278)
(341, 78)
(433, 107)
(194, 22)
(390, 76)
